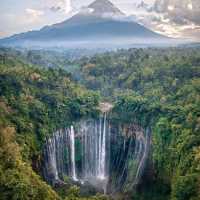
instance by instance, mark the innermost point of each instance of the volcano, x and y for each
(97, 25)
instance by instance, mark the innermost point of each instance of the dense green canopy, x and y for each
(157, 88)
(33, 103)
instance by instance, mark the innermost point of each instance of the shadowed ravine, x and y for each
(95, 152)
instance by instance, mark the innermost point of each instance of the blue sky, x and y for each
(177, 18)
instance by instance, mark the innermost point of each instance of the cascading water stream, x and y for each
(72, 145)
(92, 152)
(94, 143)
(99, 150)
(143, 152)
(52, 158)
(102, 160)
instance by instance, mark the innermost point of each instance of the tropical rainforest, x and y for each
(43, 91)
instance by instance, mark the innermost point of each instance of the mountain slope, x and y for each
(100, 22)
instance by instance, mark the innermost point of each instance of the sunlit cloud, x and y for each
(3, 33)
(190, 6)
(34, 14)
(68, 7)
(174, 18)
(170, 8)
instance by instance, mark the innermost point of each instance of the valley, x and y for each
(113, 126)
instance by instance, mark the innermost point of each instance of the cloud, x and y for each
(175, 18)
(183, 15)
(60, 6)
(32, 16)
(34, 13)
(180, 11)
(28, 19)
(55, 8)
(3, 34)
(85, 10)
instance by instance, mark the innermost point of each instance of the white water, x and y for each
(102, 155)
(95, 141)
(72, 146)
(142, 153)
(60, 152)
(102, 160)
(99, 150)
(52, 160)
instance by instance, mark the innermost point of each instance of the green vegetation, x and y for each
(157, 88)
(33, 103)
(74, 194)
(17, 179)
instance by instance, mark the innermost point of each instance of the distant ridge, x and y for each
(98, 25)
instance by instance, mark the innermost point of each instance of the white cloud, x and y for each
(3, 34)
(190, 6)
(175, 18)
(86, 10)
(170, 7)
(13, 23)
(68, 7)
(32, 15)
(60, 5)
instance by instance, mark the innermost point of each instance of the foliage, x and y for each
(74, 194)
(35, 102)
(17, 179)
(157, 88)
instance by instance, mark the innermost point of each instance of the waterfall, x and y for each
(72, 146)
(94, 140)
(144, 144)
(94, 152)
(102, 151)
(60, 152)
(99, 150)
(52, 158)
(129, 158)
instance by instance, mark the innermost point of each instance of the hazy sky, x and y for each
(177, 18)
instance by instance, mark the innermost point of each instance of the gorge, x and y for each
(98, 153)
